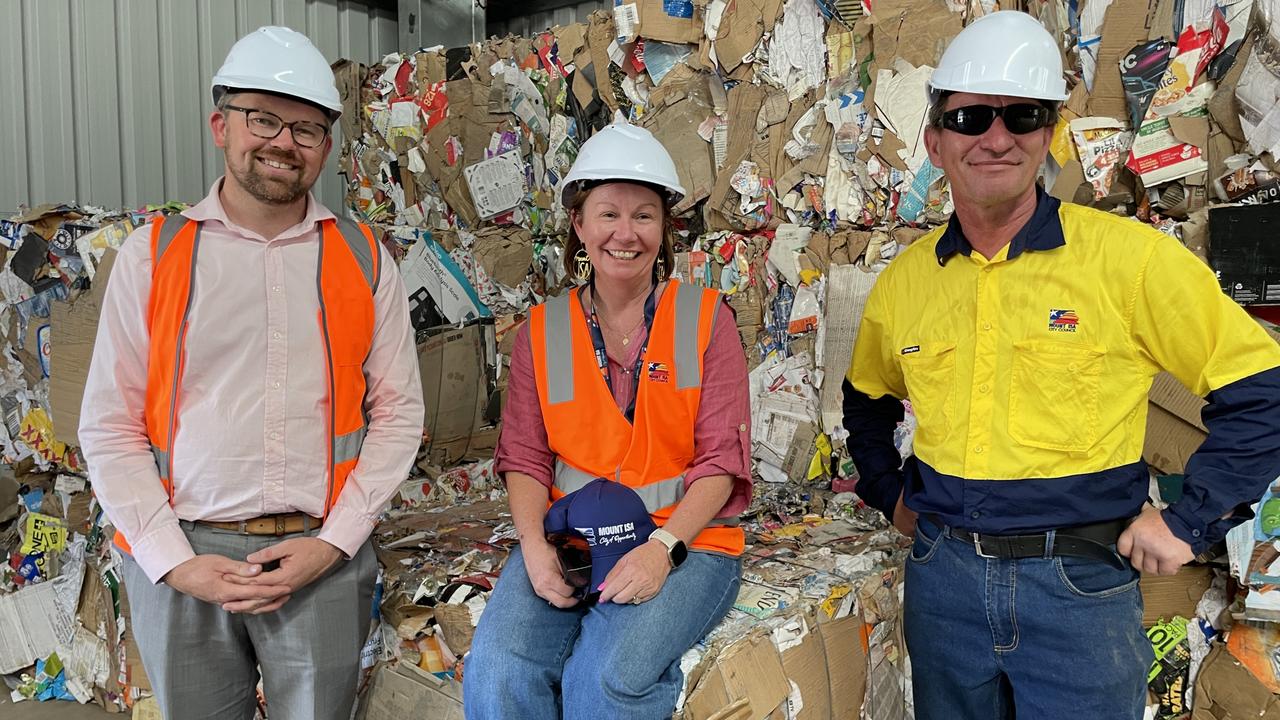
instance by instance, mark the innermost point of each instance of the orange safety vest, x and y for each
(347, 278)
(591, 437)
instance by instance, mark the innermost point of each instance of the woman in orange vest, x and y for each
(642, 381)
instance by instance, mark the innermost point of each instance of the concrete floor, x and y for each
(52, 710)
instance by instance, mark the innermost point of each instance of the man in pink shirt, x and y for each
(253, 402)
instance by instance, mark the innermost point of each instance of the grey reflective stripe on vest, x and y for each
(347, 447)
(655, 495)
(360, 250)
(162, 461)
(559, 349)
(169, 230)
(688, 316)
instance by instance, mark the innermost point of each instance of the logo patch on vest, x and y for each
(910, 350)
(659, 373)
(1063, 320)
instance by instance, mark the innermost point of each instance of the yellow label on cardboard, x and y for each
(822, 458)
(835, 599)
(37, 433)
(1062, 148)
(45, 533)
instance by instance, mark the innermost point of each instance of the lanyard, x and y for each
(602, 356)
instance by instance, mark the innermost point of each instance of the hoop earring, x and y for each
(660, 267)
(582, 265)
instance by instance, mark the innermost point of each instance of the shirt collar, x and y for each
(1042, 232)
(210, 208)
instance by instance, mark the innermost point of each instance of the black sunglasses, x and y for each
(574, 554)
(1018, 119)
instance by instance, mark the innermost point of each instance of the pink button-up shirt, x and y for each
(250, 437)
(721, 433)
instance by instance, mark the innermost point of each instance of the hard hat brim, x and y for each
(229, 88)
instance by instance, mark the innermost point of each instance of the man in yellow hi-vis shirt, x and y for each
(1026, 334)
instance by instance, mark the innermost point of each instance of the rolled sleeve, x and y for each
(722, 430)
(522, 444)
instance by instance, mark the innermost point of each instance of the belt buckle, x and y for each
(977, 544)
(279, 525)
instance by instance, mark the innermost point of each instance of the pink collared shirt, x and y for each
(250, 436)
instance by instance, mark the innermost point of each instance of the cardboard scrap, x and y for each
(1225, 690)
(750, 669)
(1174, 428)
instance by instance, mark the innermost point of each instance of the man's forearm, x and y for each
(871, 423)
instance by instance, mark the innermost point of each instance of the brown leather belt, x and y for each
(284, 524)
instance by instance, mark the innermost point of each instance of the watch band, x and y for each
(670, 541)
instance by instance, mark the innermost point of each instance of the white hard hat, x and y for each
(622, 151)
(279, 60)
(1004, 53)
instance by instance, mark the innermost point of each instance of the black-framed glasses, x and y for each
(1019, 119)
(267, 125)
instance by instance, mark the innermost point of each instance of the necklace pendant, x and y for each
(626, 341)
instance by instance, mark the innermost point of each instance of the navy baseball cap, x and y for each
(610, 516)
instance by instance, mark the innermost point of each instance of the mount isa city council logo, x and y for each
(1063, 320)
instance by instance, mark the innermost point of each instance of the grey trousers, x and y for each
(203, 662)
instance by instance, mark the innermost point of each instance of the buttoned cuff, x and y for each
(161, 551)
(346, 530)
(1186, 527)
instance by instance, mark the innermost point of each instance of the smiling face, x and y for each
(274, 171)
(621, 226)
(993, 168)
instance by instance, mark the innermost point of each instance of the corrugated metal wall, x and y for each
(106, 102)
(527, 25)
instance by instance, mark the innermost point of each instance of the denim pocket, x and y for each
(1094, 578)
(927, 541)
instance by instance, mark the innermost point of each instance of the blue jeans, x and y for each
(1052, 638)
(598, 662)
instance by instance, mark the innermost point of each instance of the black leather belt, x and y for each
(1086, 541)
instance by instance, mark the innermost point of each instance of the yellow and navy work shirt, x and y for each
(1028, 374)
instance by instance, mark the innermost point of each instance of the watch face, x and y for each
(678, 553)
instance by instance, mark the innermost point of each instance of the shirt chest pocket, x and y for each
(1054, 395)
(930, 372)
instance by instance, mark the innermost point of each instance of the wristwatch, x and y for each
(676, 550)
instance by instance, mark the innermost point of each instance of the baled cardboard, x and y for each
(806, 669)
(1174, 429)
(74, 327)
(452, 364)
(676, 21)
(846, 664)
(1125, 26)
(403, 691)
(1165, 596)
(748, 669)
(741, 28)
